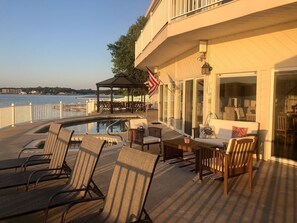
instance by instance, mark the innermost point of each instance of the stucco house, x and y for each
(236, 59)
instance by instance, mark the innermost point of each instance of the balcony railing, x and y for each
(157, 20)
(185, 7)
(169, 10)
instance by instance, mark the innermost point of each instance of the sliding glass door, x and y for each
(285, 120)
(178, 112)
(165, 103)
(188, 107)
(161, 99)
(199, 104)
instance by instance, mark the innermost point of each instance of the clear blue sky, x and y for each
(61, 42)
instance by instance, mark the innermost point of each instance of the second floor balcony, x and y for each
(176, 26)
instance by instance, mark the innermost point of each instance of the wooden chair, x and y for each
(283, 128)
(139, 133)
(236, 160)
(240, 114)
(35, 159)
(128, 188)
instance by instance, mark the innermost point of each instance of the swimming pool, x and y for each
(98, 126)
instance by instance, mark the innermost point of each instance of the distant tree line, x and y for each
(61, 90)
(57, 90)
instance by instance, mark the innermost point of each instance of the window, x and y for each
(179, 106)
(199, 98)
(171, 105)
(161, 87)
(237, 97)
(165, 103)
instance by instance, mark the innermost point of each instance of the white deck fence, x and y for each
(13, 115)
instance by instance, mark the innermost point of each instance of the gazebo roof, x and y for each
(120, 81)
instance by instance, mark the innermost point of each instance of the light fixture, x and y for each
(203, 46)
(206, 69)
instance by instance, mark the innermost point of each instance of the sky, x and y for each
(61, 43)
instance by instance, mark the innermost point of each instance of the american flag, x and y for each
(153, 83)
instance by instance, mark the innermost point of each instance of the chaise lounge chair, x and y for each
(55, 169)
(37, 158)
(79, 186)
(128, 188)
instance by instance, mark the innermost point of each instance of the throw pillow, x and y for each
(143, 129)
(207, 132)
(238, 132)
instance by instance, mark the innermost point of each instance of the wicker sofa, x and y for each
(222, 131)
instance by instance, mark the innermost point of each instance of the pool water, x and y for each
(99, 126)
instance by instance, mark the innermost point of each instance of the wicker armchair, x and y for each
(139, 133)
(235, 160)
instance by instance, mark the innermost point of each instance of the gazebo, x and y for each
(120, 81)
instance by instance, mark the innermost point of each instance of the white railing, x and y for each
(169, 10)
(22, 113)
(12, 115)
(157, 20)
(6, 117)
(184, 7)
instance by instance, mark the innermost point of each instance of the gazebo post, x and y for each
(132, 105)
(143, 93)
(128, 103)
(98, 101)
(119, 81)
(111, 100)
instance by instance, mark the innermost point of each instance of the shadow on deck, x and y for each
(175, 197)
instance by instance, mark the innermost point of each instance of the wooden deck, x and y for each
(175, 196)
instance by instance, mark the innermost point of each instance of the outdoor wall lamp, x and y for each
(206, 69)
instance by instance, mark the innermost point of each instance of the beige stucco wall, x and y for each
(259, 51)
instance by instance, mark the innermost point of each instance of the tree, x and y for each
(123, 52)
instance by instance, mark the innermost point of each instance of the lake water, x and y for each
(8, 99)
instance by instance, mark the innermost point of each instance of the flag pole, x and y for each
(166, 86)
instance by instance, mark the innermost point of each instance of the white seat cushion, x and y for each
(151, 139)
(215, 142)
